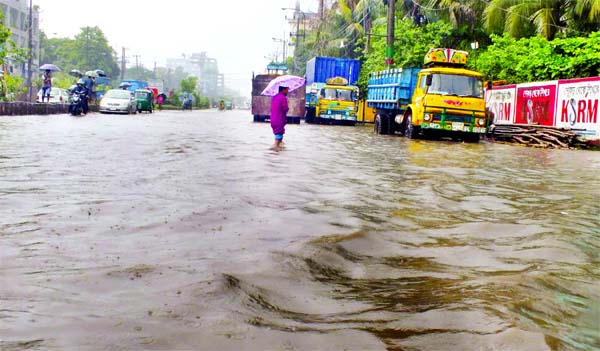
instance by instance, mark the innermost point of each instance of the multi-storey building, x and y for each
(16, 17)
(206, 69)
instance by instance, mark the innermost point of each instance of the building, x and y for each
(16, 17)
(206, 69)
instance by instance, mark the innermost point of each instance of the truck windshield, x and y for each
(337, 94)
(452, 84)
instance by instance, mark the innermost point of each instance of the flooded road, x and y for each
(181, 231)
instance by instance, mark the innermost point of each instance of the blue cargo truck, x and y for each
(327, 76)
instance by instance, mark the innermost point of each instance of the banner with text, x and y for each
(501, 102)
(536, 103)
(577, 106)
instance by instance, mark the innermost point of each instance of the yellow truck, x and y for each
(443, 99)
(334, 102)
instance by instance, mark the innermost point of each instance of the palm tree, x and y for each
(522, 18)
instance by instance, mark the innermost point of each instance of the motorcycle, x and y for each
(76, 106)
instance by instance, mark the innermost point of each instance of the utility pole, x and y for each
(391, 22)
(137, 65)
(30, 59)
(123, 64)
(87, 48)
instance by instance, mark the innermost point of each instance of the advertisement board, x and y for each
(577, 106)
(536, 103)
(501, 101)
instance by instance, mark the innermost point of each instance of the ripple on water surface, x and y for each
(182, 231)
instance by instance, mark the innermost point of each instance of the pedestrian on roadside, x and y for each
(91, 89)
(160, 99)
(46, 85)
(279, 110)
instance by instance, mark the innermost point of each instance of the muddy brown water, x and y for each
(181, 231)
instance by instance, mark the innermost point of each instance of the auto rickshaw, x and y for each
(144, 100)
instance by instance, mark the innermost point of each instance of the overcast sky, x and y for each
(238, 33)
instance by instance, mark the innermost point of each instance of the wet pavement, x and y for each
(182, 231)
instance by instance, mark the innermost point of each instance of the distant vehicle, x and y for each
(332, 94)
(57, 96)
(261, 105)
(117, 101)
(144, 100)
(133, 85)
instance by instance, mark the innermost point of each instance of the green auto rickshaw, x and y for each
(144, 100)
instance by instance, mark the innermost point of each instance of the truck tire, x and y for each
(381, 124)
(410, 131)
(471, 138)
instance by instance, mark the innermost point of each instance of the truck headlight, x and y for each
(427, 117)
(481, 122)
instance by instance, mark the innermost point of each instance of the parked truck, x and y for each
(332, 95)
(442, 99)
(261, 105)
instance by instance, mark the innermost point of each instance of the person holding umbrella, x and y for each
(48, 68)
(279, 110)
(279, 88)
(46, 85)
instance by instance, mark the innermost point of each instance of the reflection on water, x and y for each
(182, 231)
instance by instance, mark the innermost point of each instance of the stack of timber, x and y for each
(537, 136)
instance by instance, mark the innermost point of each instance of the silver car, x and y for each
(117, 101)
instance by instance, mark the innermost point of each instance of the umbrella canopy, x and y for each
(91, 74)
(76, 73)
(49, 67)
(124, 85)
(291, 82)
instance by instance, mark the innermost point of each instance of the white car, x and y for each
(57, 96)
(117, 101)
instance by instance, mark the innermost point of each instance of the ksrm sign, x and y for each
(571, 104)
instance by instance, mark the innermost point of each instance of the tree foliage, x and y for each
(537, 59)
(89, 50)
(188, 85)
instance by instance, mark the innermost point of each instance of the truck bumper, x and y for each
(454, 127)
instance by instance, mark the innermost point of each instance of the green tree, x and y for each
(188, 85)
(524, 18)
(10, 87)
(89, 50)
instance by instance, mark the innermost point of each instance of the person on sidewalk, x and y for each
(279, 110)
(46, 85)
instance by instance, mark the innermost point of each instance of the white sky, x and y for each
(238, 33)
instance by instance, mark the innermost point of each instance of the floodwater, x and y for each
(182, 231)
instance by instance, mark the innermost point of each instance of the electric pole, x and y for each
(123, 64)
(30, 59)
(391, 22)
(137, 65)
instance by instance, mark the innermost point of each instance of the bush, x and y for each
(537, 59)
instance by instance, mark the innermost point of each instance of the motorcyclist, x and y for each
(83, 93)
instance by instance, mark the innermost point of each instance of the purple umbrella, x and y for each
(291, 82)
(49, 67)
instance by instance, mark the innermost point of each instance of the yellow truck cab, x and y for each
(336, 103)
(442, 99)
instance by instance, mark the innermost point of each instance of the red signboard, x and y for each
(536, 104)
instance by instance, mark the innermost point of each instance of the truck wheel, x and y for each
(381, 124)
(471, 138)
(410, 131)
